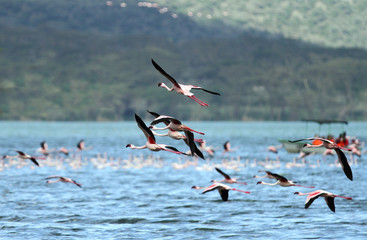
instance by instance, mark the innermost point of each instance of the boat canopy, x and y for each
(325, 121)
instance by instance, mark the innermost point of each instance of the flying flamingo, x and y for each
(282, 181)
(171, 133)
(331, 145)
(174, 124)
(24, 156)
(62, 179)
(329, 198)
(151, 143)
(180, 88)
(222, 189)
(227, 178)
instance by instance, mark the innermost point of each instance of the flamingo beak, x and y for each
(128, 145)
(296, 193)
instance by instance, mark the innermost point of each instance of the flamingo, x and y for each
(44, 148)
(151, 143)
(171, 133)
(331, 145)
(222, 189)
(81, 145)
(227, 147)
(180, 88)
(62, 179)
(174, 124)
(227, 178)
(24, 156)
(329, 198)
(282, 181)
(207, 149)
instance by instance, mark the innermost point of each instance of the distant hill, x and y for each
(91, 60)
(335, 23)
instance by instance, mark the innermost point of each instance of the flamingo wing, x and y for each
(226, 176)
(277, 176)
(169, 77)
(20, 152)
(191, 143)
(223, 193)
(312, 197)
(205, 90)
(34, 161)
(344, 163)
(163, 118)
(147, 132)
(156, 115)
(330, 202)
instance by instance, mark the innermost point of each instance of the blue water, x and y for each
(136, 194)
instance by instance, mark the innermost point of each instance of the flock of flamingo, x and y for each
(175, 128)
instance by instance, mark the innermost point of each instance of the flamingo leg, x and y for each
(240, 190)
(168, 150)
(199, 101)
(349, 198)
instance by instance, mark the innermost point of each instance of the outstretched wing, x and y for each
(224, 174)
(156, 115)
(311, 198)
(169, 77)
(147, 132)
(200, 88)
(344, 163)
(191, 143)
(330, 202)
(163, 118)
(54, 176)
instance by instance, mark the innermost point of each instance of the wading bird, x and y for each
(331, 145)
(329, 198)
(62, 179)
(282, 181)
(151, 142)
(180, 88)
(227, 178)
(222, 189)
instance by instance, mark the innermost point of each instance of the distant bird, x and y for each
(329, 198)
(222, 189)
(174, 124)
(207, 149)
(331, 145)
(151, 142)
(24, 156)
(227, 147)
(282, 181)
(180, 88)
(44, 148)
(64, 151)
(227, 178)
(62, 179)
(273, 149)
(81, 146)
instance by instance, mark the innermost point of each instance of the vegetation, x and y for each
(83, 60)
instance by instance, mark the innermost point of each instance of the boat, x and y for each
(298, 146)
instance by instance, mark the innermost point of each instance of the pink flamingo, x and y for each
(329, 198)
(180, 88)
(62, 179)
(281, 181)
(331, 145)
(174, 124)
(222, 189)
(24, 156)
(151, 142)
(227, 178)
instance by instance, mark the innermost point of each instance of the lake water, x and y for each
(137, 194)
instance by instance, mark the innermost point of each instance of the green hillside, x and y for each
(85, 60)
